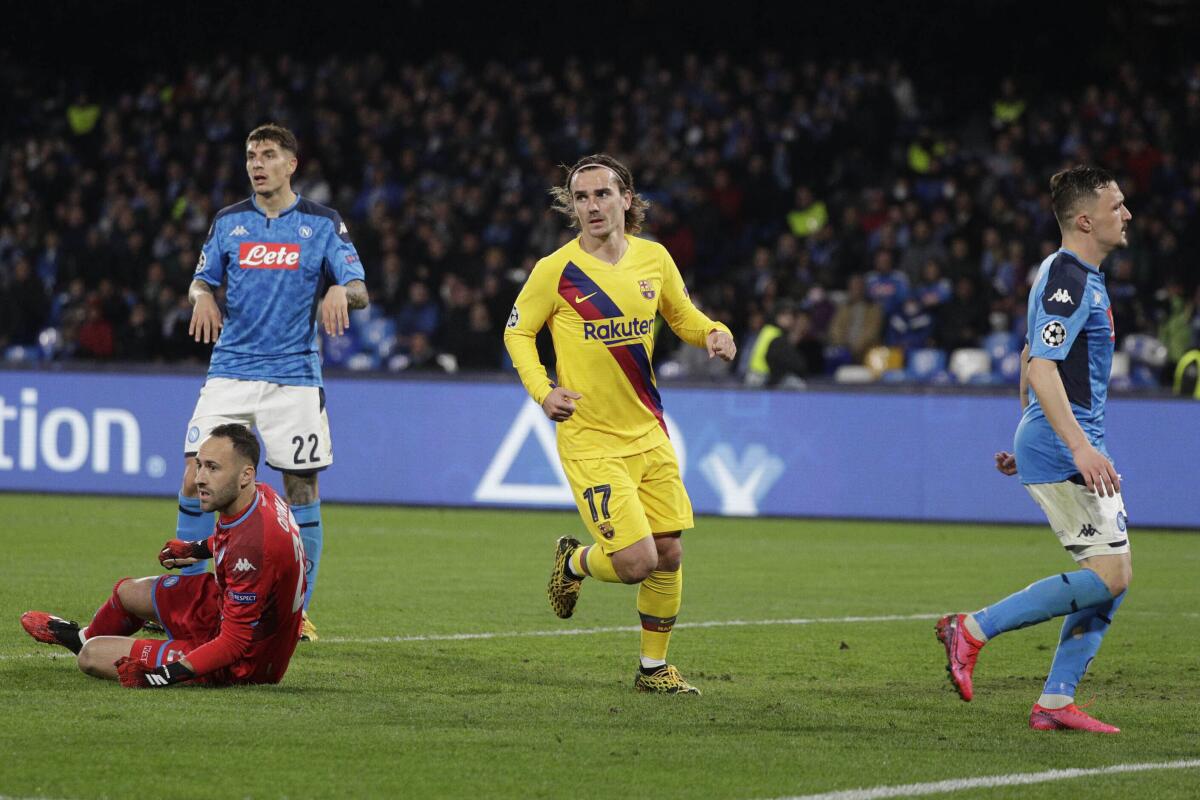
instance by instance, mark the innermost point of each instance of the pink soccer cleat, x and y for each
(1070, 718)
(51, 629)
(961, 651)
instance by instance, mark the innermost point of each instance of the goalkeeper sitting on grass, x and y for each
(239, 625)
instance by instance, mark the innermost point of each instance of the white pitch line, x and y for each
(462, 637)
(992, 781)
(723, 623)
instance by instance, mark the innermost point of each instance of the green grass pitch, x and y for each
(788, 709)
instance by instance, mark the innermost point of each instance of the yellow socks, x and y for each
(592, 562)
(658, 602)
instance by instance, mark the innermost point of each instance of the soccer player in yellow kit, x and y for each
(600, 294)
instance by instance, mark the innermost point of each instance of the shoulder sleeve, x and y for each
(533, 307)
(689, 323)
(211, 266)
(341, 257)
(1059, 311)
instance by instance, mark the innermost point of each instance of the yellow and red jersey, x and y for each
(601, 318)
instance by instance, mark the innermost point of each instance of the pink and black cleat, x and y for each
(51, 629)
(1070, 718)
(961, 651)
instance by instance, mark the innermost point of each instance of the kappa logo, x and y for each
(343, 230)
(1088, 530)
(240, 230)
(1054, 334)
(242, 565)
(1061, 296)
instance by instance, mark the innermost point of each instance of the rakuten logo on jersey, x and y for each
(256, 255)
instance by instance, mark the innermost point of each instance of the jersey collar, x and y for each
(288, 210)
(1082, 263)
(226, 523)
(619, 265)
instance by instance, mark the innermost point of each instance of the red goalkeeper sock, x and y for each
(112, 619)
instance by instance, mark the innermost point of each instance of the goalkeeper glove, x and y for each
(136, 675)
(178, 553)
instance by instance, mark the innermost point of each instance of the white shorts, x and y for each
(290, 419)
(1086, 523)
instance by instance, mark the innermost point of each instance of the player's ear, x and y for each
(1084, 223)
(293, 162)
(627, 199)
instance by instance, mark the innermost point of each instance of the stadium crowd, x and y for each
(830, 208)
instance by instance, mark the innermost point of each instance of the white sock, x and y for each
(973, 628)
(651, 663)
(1055, 700)
(82, 637)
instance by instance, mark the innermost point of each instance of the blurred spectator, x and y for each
(25, 307)
(858, 323)
(795, 355)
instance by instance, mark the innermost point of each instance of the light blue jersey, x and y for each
(275, 271)
(1070, 321)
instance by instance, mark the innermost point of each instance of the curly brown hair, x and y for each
(564, 204)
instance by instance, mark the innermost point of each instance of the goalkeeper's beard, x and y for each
(220, 500)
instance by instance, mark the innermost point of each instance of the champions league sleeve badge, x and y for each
(1054, 334)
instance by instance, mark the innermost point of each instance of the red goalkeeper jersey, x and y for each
(260, 570)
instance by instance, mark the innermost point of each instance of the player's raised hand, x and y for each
(559, 405)
(1098, 472)
(1006, 463)
(335, 311)
(721, 344)
(206, 322)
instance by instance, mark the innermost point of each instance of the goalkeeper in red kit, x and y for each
(239, 625)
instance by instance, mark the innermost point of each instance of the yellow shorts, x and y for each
(629, 498)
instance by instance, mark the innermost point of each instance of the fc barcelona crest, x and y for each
(647, 289)
(606, 528)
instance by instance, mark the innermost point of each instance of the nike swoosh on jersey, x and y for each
(579, 299)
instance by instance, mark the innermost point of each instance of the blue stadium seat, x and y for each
(338, 350)
(1008, 368)
(894, 376)
(19, 354)
(1000, 344)
(926, 362)
(363, 362)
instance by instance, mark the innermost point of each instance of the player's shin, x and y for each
(658, 600)
(193, 525)
(312, 534)
(1050, 597)
(111, 619)
(1082, 633)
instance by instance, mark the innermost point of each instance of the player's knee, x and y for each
(300, 489)
(188, 486)
(670, 553)
(635, 569)
(123, 591)
(89, 660)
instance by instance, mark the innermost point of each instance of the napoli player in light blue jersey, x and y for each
(283, 260)
(1061, 457)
